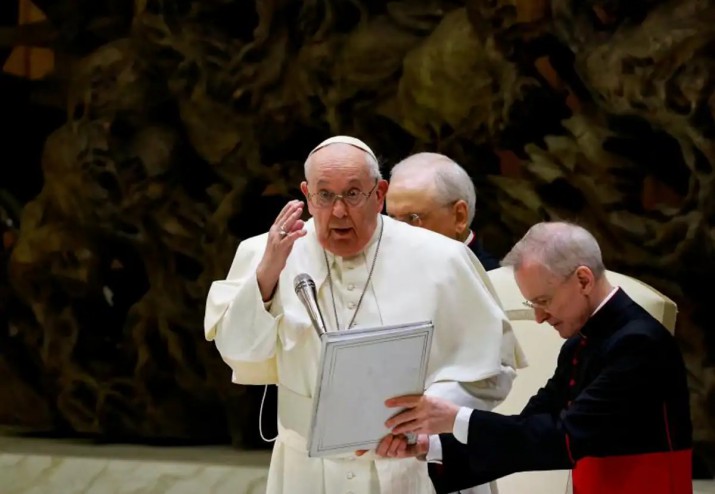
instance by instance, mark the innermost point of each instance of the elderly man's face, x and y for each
(414, 201)
(344, 225)
(561, 302)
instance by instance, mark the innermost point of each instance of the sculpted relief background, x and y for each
(167, 131)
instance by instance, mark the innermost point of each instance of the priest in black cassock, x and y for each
(616, 410)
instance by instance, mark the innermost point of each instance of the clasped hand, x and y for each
(423, 415)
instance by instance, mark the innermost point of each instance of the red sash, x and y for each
(647, 473)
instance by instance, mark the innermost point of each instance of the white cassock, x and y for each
(419, 275)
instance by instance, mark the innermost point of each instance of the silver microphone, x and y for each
(305, 289)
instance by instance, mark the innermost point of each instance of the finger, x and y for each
(287, 209)
(360, 452)
(298, 225)
(384, 445)
(283, 212)
(293, 236)
(414, 426)
(398, 444)
(292, 218)
(402, 449)
(401, 418)
(403, 401)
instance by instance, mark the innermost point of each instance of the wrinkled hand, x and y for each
(393, 446)
(424, 415)
(286, 229)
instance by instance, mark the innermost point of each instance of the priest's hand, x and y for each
(286, 229)
(396, 446)
(423, 415)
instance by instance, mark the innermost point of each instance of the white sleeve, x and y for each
(243, 328)
(460, 431)
(434, 453)
(248, 332)
(481, 395)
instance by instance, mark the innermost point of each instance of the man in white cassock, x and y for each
(369, 270)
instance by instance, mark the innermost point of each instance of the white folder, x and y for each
(359, 370)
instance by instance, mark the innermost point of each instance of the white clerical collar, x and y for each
(606, 299)
(469, 238)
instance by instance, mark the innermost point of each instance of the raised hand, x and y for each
(286, 229)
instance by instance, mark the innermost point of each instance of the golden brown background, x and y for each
(143, 140)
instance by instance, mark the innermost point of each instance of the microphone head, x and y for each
(303, 280)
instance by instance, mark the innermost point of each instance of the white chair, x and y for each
(542, 344)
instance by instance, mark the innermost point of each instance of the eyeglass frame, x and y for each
(415, 219)
(363, 196)
(545, 305)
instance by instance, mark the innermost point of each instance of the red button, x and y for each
(574, 361)
(572, 383)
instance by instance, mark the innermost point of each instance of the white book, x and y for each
(359, 370)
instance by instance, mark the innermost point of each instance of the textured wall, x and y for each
(185, 125)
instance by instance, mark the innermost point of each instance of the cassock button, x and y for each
(350, 475)
(351, 305)
(572, 382)
(574, 361)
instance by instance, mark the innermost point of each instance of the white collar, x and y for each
(606, 299)
(469, 238)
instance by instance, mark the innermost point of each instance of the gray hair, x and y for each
(373, 167)
(559, 246)
(452, 182)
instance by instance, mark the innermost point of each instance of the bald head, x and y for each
(434, 188)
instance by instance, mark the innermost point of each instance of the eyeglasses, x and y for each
(353, 197)
(538, 305)
(416, 219)
(543, 303)
(413, 219)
